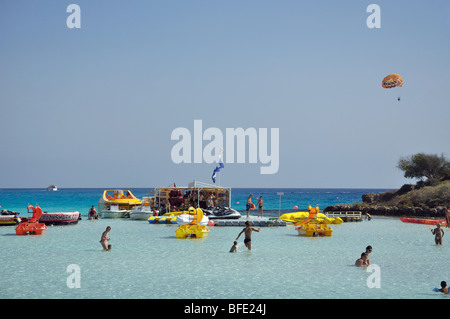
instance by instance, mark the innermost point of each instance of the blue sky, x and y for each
(96, 106)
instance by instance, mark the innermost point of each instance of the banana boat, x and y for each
(299, 217)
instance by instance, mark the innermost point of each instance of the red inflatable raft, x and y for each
(32, 225)
(423, 221)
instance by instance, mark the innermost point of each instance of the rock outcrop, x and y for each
(419, 200)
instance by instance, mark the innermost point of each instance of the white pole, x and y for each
(279, 209)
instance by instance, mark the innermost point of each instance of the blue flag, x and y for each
(216, 170)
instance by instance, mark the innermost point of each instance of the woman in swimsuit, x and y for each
(260, 207)
(438, 232)
(104, 240)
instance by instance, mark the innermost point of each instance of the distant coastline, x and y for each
(420, 200)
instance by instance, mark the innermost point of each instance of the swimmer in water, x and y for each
(105, 238)
(444, 288)
(438, 233)
(361, 261)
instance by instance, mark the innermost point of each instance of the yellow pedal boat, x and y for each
(193, 229)
(312, 230)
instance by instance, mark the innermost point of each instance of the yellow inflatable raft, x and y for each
(299, 217)
(170, 219)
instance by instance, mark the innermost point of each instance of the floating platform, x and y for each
(347, 216)
(254, 222)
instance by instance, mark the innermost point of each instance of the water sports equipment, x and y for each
(392, 81)
(436, 289)
(184, 219)
(313, 230)
(171, 219)
(8, 220)
(298, 217)
(62, 218)
(424, 221)
(194, 228)
(221, 212)
(294, 217)
(312, 225)
(32, 225)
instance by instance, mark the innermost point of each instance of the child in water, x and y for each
(234, 248)
(443, 289)
(438, 232)
(361, 261)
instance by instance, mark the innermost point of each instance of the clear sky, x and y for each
(96, 106)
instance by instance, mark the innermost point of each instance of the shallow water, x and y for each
(148, 261)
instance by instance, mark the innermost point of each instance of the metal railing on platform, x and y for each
(347, 215)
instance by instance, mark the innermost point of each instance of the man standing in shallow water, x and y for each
(248, 235)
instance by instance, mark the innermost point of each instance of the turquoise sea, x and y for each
(148, 261)
(81, 199)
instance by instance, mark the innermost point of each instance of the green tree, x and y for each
(420, 165)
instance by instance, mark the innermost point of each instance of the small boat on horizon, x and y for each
(52, 188)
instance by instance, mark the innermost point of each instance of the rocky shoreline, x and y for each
(409, 201)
